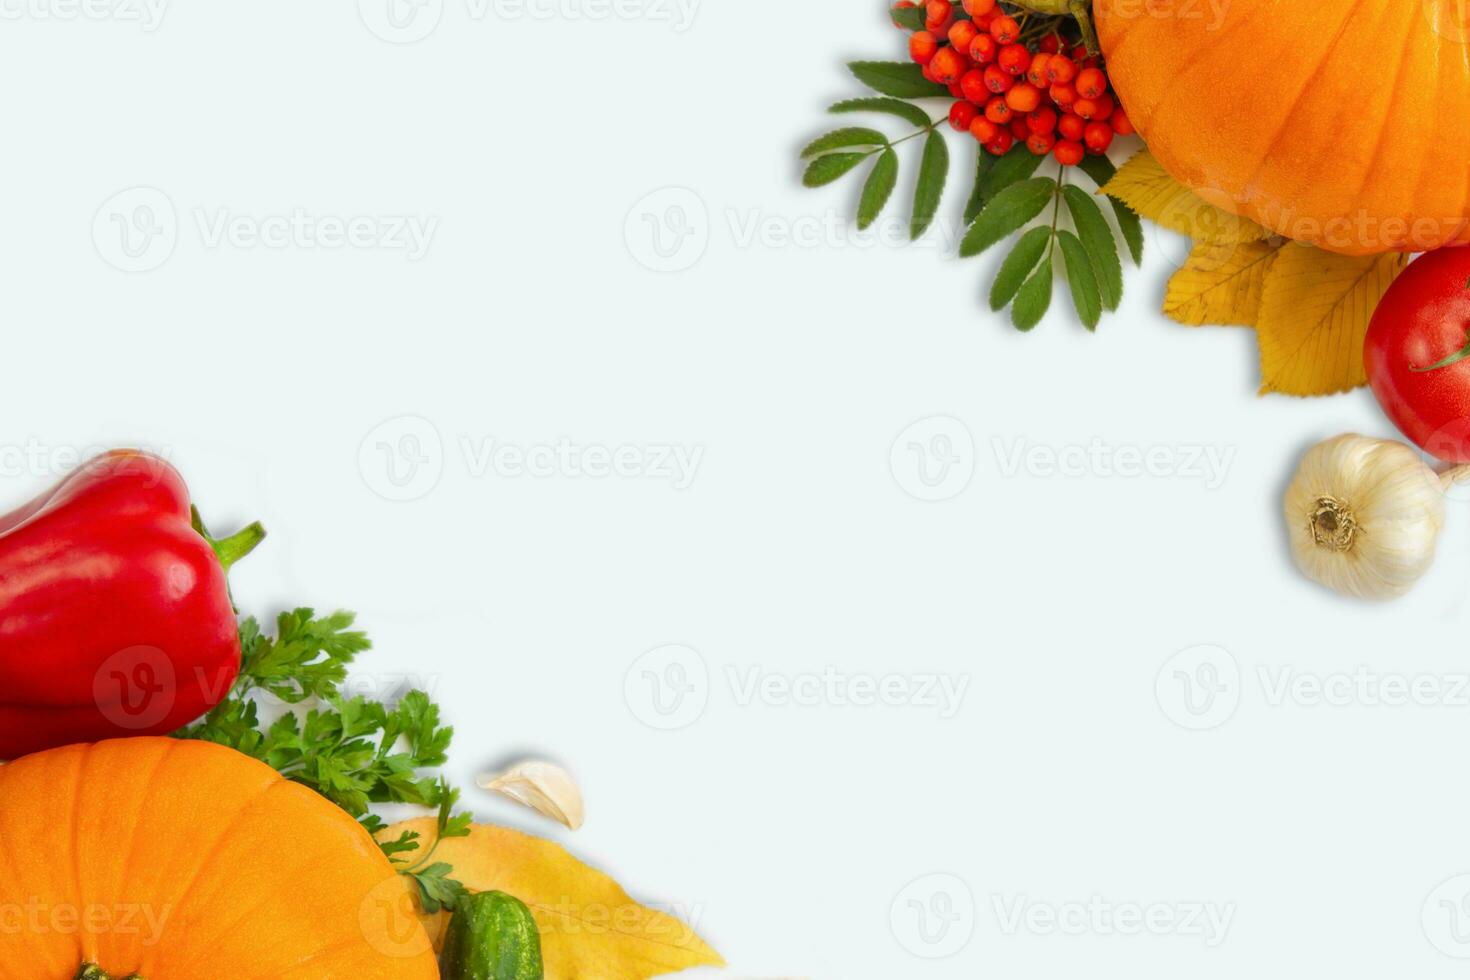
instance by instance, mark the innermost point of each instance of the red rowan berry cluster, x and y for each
(1012, 86)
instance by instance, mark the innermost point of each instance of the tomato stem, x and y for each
(1457, 356)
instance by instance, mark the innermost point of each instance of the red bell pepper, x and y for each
(115, 616)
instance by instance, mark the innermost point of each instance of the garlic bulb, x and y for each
(1364, 515)
(546, 788)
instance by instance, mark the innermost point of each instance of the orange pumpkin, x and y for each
(1338, 124)
(181, 860)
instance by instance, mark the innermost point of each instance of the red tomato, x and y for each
(1417, 353)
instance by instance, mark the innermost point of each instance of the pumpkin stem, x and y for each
(91, 971)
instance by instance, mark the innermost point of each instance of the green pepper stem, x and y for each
(231, 549)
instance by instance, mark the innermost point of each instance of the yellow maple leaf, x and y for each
(1314, 312)
(1221, 283)
(1144, 185)
(590, 928)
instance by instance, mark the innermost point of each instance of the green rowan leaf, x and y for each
(1008, 212)
(1017, 165)
(1085, 295)
(1101, 170)
(825, 169)
(900, 79)
(893, 107)
(933, 172)
(983, 163)
(842, 138)
(1033, 299)
(1018, 265)
(878, 188)
(1102, 247)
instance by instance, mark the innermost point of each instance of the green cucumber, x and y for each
(491, 937)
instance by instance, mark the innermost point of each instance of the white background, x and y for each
(790, 832)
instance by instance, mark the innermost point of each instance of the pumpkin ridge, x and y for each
(244, 914)
(1393, 95)
(170, 748)
(132, 839)
(1147, 113)
(1465, 194)
(208, 858)
(1301, 94)
(314, 957)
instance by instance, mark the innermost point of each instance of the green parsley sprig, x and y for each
(354, 751)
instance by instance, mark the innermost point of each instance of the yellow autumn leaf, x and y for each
(590, 928)
(1221, 284)
(1144, 185)
(1314, 314)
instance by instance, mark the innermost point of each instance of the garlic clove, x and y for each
(1364, 516)
(544, 787)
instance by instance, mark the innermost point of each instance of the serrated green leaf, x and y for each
(1033, 299)
(878, 103)
(983, 163)
(1131, 227)
(1018, 265)
(1008, 212)
(1017, 165)
(1101, 170)
(900, 79)
(933, 172)
(878, 188)
(825, 169)
(1102, 247)
(909, 18)
(841, 138)
(1085, 296)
